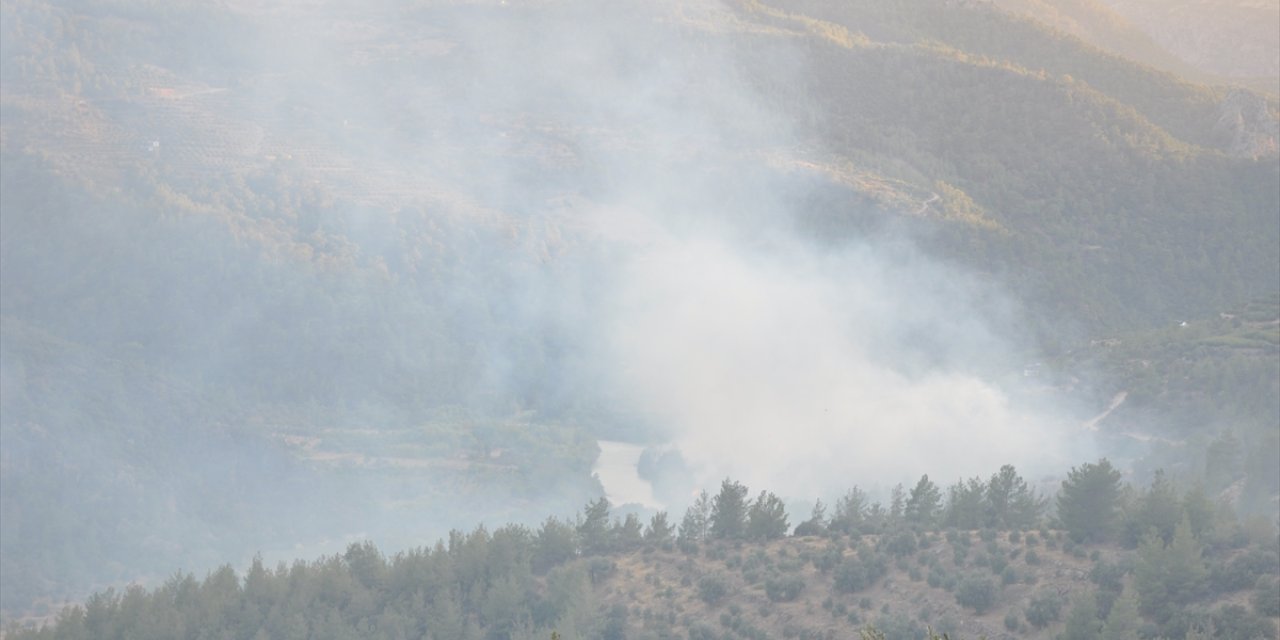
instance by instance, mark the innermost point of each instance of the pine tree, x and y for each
(555, 543)
(593, 527)
(922, 506)
(1200, 511)
(1169, 576)
(628, 534)
(1122, 622)
(1082, 619)
(851, 510)
(966, 504)
(1158, 509)
(816, 525)
(767, 518)
(1010, 503)
(693, 527)
(659, 531)
(1088, 502)
(729, 511)
(897, 502)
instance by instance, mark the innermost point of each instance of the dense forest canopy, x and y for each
(278, 279)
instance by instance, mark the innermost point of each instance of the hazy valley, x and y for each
(281, 278)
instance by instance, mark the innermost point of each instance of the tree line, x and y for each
(517, 582)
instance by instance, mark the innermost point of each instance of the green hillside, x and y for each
(1109, 201)
(275, 275)
(728, 572)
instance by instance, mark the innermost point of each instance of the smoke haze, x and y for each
(380, 276)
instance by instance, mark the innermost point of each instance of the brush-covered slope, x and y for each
(317, 240)
(1101, 172)
(612, 579)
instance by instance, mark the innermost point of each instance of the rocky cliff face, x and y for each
(1248, 125)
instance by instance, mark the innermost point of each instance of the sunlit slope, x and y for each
(1102, 25)
(203, 244)
(1103, 174)
(1187, 111)
(1235, 38)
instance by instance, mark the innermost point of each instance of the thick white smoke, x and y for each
(806, 373)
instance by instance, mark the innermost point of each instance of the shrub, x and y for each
(1243, 571)
(712, 589)
(600, 569)
(829, 558)
(784, 588)
(851, 576)
(1009, 576)
(902, 544)
(1045, 609)
(1108, 576)
(900, 626)
(977, 593)
(790, 565)
(925, 614)
(1234, 621)
(1266, 599)
(998, 564)
(1011, 620)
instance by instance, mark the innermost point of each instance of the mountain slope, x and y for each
(357, 254)
(1233, 39)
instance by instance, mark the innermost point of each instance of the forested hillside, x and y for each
(983, 562)
(1082, 163)
(279, 277)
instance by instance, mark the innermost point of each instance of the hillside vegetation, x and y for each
(277, 277)
(729, 570)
